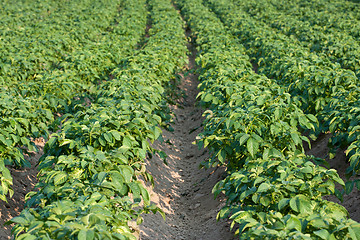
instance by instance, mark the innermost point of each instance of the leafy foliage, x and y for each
(253, 127)
(88, 181)
(49, 67)
(319, 84)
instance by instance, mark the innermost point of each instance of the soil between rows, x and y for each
(24, 181)
(181, 189)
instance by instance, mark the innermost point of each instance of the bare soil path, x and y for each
(181, 189)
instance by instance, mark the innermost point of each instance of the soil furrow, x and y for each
(181, 189)
(24, 181)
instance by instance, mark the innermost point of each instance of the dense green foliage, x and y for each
(322, 88)
(253, 126)
(334, 14)
(327, 42)
(88, 181)
(90, 77)
(51, 61)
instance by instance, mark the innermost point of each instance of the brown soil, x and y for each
(24, 181)
(320, 149)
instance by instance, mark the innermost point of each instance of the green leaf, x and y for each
(277, 113)
(208, 97)
(135, 189)
(283, 203)
(101, 176)
(252, 146)
(60, 178)
(157, 132)
(312, 118)
(35, 225)
(83, 235)
(93, 220)
(163, 156)
(354, 231)
(128, 173)
(224, 213)
(26, 236)
(307, 169)
(127, 142)
(107, 137)
(301, 204)
(244, 138)
(318, 223)
(293, 222)
(221, 156)
(145, 195)
(124, 190)
(260, 100)
(258, 180)
(3, 140)
(265, 201)
(20, 220)
(335, 176)
(296, 138)
(304, 122)
(263, 187)
(66, 141)
(117, 178)
(339, 194)
(116, 135)
(323, 234)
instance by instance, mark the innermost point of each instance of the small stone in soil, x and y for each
(198, 195)
(195, 206)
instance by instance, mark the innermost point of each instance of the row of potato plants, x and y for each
(340, 15)
(312, 78)
(88, 181)
(41, 35)
(57, 66)
(343, 112)
(273, 190)
(319, 86)
(338, 46)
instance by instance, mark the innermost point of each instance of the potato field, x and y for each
(179, 119)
